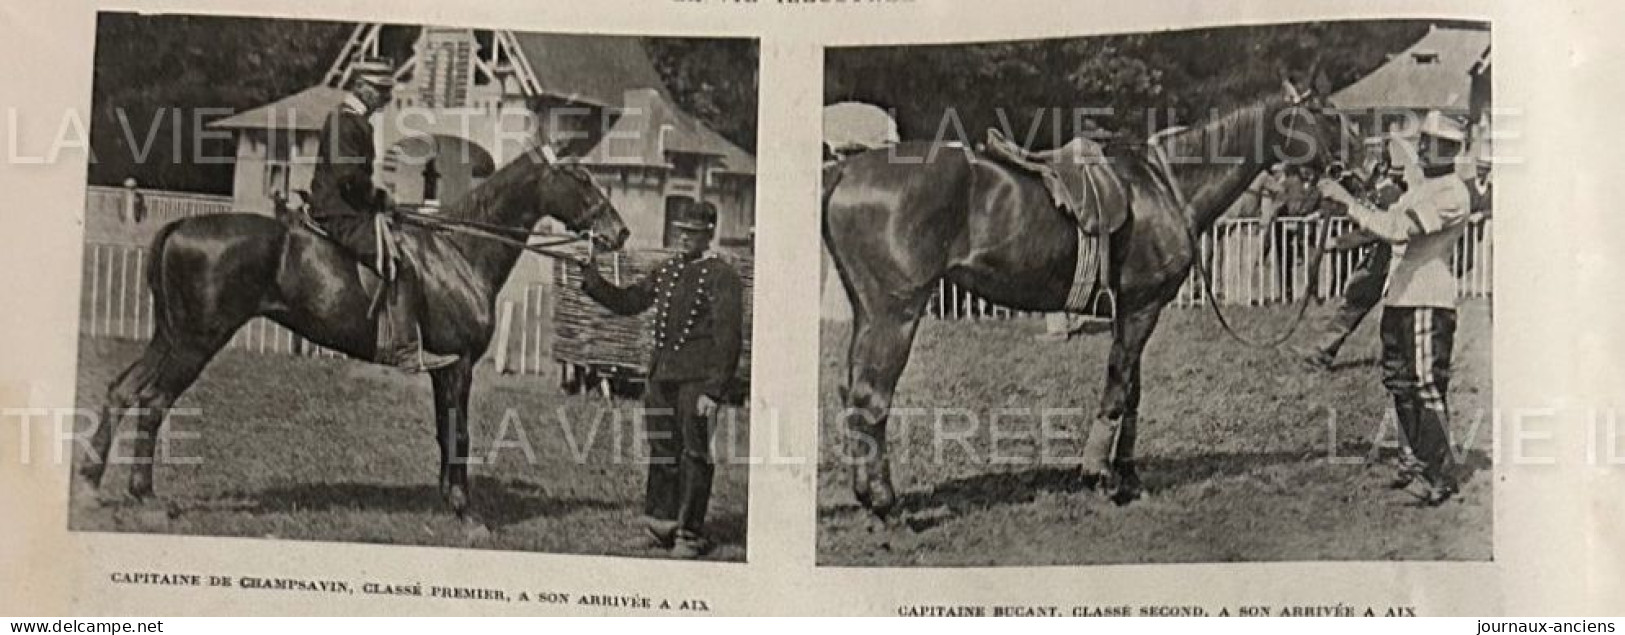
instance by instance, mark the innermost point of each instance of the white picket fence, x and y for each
(1245, 273)
(108, 212)
(115, 301)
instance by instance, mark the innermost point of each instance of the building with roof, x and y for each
(467, 101)
(1445, 70)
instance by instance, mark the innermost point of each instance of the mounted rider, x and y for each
(349, 207)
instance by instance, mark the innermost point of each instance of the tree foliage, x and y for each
(1045, 92)
(159, 79)
(714, 80)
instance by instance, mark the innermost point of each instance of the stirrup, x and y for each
(1102, 314)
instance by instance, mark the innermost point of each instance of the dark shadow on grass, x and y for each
(496, 503)
(1468, 463)
(992, 490)
(727, 527)
(1365, 362)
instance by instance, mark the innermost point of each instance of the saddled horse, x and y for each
(899, 219)
(211, 274)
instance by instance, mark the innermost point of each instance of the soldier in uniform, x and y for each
(1419, 304)
(697, 336)
(345, 201)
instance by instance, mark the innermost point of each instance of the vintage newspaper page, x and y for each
(911, 307)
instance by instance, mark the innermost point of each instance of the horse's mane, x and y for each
(1220, 128)
(482, 202)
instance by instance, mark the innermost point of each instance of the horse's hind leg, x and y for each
(122, 399)
(880, 347)
(179, 369)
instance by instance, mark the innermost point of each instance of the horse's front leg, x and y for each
(1108, 455)
(451, 393)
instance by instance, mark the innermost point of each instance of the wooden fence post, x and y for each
(504, 328)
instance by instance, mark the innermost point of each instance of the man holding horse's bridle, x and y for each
(1419, 304)
(698, 334)
(346, 203)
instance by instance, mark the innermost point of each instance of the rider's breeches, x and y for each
(357, 233)
(1416, 347)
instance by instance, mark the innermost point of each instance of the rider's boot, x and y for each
(400, 344)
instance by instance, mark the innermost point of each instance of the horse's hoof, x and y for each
(1125, 495)
(83, 492)
(1128, 488)
(151, 514)
(1097, 480)
(457, 500)
(883, 503)
(863, 498)
(476, 531)
(92, 475)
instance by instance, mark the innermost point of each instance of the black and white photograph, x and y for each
(1196, 296)
(414, 284)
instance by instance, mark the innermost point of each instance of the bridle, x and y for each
(1327, 162)
(550, 244)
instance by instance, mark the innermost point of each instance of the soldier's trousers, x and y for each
(1416, 348)
(680, 462)
(1362, 293)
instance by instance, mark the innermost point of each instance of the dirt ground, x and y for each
(1245, 455)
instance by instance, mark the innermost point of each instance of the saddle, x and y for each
(1083, 185)
(1078, 176)
(376, 276)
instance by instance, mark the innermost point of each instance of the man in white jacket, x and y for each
(1419, 303)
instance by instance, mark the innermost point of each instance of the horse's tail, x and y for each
(156, 283)
(832, 177)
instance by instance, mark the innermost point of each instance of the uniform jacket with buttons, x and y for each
(342, 184)
(697, 324)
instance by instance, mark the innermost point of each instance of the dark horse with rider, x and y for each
(421, 296)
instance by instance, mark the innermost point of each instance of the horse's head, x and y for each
(572, 196)
(1317, 137)
(1311, 133)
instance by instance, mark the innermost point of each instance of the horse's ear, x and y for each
(1290, 92)
(1312, 73)
(1321, 84)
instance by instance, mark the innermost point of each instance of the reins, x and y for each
(1160, 160)
(511, 236)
